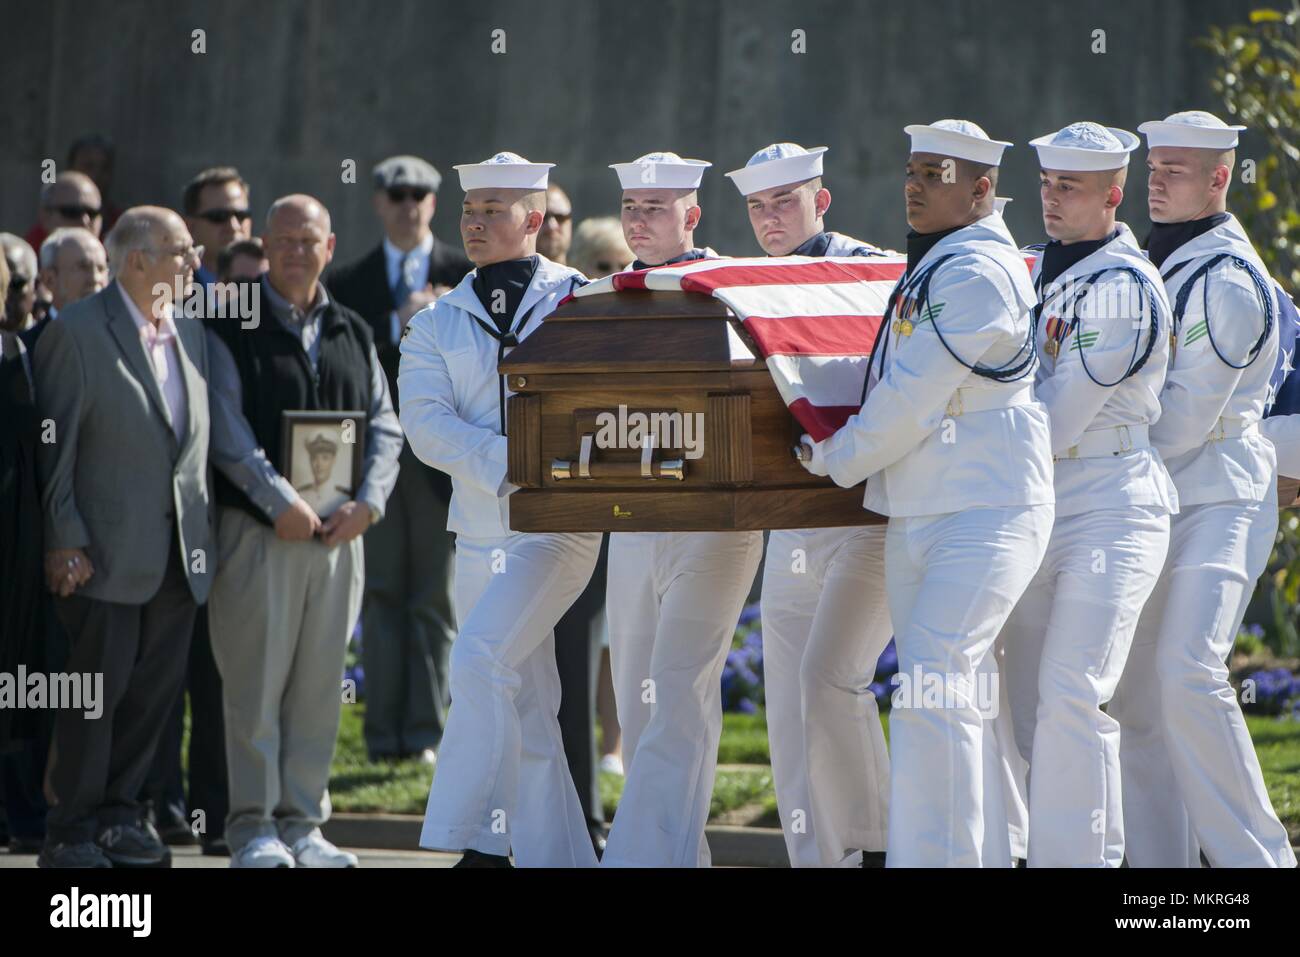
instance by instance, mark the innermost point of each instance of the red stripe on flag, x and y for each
(814, 335)
(791, 274)
(821, 421)
(629, 280)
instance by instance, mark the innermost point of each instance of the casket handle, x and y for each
(647, 468)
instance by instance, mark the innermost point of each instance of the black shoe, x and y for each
(873, 858)
(177, 833)
(473, 858)
(82, 854)
(134, 845)
(217, 847)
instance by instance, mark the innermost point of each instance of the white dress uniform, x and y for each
(1182, 731)
(825, 620)
(503, 782)
(672, 602)
(1102, 335)
(961, 463)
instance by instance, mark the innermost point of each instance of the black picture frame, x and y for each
(295, 423)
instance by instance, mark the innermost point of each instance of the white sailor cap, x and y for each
(778, 165)
(1194, 128)
(503, 171)
(960, 139)
(1000, 203)
(662, 170)
(1085, 148)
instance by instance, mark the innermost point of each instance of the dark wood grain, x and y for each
(682, 510)
(727, 428)
(524, 440)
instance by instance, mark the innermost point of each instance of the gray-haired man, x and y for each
(128, 531)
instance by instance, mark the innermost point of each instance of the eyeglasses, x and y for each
(194, 253)
(219, 216)
(76, 212)
(400, 194)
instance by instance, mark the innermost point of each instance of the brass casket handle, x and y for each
(647, 468)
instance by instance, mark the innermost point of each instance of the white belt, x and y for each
(1230, 427)
(983, 400)
(1103, 443)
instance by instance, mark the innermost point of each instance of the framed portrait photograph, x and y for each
(321, 454)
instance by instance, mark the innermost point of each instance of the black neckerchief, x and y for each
(1058, 257)
(918, 244)
(816, 246)
(689, 256)
(511, 277)
(1165, 238)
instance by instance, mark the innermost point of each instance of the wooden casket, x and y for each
(605, 372)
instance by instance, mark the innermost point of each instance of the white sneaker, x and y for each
(612, 763)
(314, 851)
(263, 851)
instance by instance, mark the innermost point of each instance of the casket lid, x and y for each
(636, 331)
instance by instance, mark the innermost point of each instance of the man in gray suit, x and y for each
(128, 529)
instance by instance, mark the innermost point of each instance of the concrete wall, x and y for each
(288, 90)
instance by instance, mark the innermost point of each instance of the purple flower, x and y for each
(888, 663)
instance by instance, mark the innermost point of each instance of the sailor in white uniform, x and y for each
(957, 452)
(824, 613)
(1186, 754)
(1102, 327)
(672, 598)
(503, 783)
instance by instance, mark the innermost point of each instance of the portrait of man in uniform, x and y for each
(322, 459)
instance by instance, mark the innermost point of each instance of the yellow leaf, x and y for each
(1265, 16)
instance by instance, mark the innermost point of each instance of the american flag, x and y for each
(1284, 386)
(813, 320)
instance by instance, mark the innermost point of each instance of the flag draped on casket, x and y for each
(813, 320)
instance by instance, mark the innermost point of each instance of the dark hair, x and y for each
(213, 176)
(240, 247)
(90, 141)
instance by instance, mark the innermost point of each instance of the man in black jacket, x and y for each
(289, 582)
(407, 621)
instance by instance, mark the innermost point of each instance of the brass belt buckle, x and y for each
(1125, 440)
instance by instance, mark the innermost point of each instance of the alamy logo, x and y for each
(930, 689)
(75, 909)
(221, 300)
(38, 691)
(660, 430)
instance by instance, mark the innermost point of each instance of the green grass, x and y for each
(1277, 742)
(742, 793)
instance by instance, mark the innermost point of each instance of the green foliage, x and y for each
(1257, 75)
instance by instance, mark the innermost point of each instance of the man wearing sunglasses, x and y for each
(407, 611)
(216, 211)
(71, 200)
(557, 229)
